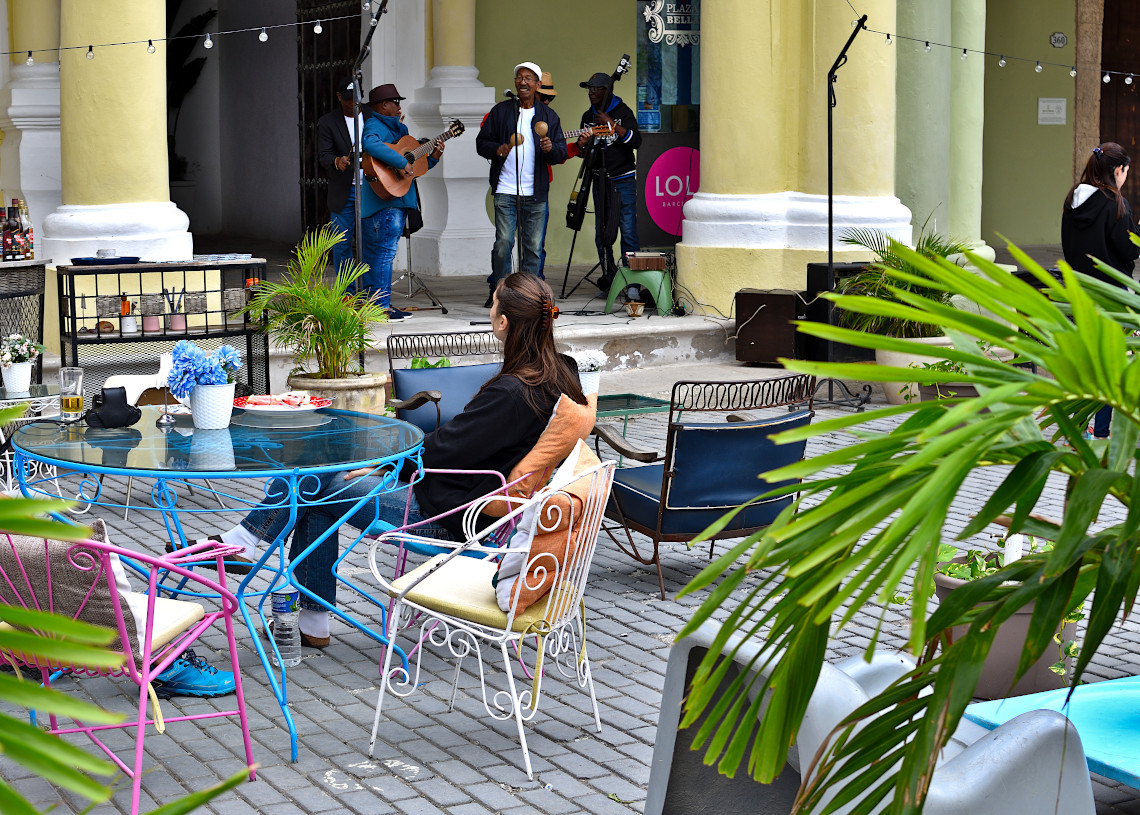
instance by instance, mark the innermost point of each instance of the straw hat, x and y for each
(546, 85)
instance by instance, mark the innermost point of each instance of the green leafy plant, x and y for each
(423, 362)
(323, 325)
(849, 540)
(876, 280)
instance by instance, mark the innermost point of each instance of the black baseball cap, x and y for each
(344, 86)
(598, 80)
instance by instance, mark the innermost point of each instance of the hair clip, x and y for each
(549, 311)
(1097, 151)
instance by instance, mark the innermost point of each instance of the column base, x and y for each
(733, 242)
(457, 234)
(153, 231)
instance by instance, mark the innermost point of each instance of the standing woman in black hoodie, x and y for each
(1096, 223)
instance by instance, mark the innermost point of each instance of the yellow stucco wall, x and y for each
(1027, 165)
(572, 42)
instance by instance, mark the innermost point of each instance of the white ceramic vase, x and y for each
(591, 381)
(18, 377)
(212, 450)
(211, 405)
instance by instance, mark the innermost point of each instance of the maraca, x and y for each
(541, 128)
(515, 140)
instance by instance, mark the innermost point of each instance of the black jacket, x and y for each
(497, 129)
(1092, 230)
(495, 430)
(620, 159)
(333, 140)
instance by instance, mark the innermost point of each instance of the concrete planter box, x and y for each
(364, 393)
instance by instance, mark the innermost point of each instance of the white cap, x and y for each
(530, 66)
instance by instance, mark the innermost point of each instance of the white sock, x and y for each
(314, 623)
(240, 536)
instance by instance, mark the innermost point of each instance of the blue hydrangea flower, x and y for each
(192, 366)
(230, 358)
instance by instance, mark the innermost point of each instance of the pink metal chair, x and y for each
(86, 581)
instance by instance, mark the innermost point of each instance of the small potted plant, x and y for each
(324, 325)
(17, 356)
(207, 381)
(590, 369)
(956, 570)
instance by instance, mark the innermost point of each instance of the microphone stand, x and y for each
(358, 105)
(518, 184)
(846, 398)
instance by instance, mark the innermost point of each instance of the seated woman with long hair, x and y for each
(496, 429)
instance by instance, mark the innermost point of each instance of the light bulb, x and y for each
(208, 43)
(91, 52)
(854, 23)
(29, 60)
(1038, 69)
(1001, 62)
(889, 40)
(1073, 71)
(1128, 79)
(366, 5)
(263, 36)
(927, 48)
(1106, 78)
(318, 28)
(150, 46)
(964, 54)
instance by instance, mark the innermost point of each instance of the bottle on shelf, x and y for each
(19, 236)
(29, 231)
(13, 237)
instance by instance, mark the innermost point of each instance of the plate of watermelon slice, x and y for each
(291, 403)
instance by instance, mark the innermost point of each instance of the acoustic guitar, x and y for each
(389, 183)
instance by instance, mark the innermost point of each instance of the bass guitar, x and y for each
(389, 183)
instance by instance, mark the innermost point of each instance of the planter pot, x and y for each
(364, 393)
(1001, 662)
(211, 405)
(897, 359)
(591, 381)
(18, 377)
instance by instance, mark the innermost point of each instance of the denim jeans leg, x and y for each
(314, 572)
(627, 188)
(370, 248)
(542, 251)
(267, 521)
(1102, 422)
(504, 238)
(534, 214)
(345, 221)
(605, 253)
(390, 226)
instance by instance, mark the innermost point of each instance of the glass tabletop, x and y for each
(622, 404)
(319, 441)
(34, 392)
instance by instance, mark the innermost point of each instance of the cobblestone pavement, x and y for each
(430, 759)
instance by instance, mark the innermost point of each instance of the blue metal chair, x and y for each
(708, 468)
(430, 397)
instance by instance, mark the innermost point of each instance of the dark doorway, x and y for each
(1119, 111)
(321, 60)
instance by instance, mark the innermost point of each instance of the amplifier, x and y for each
(819, 310)
(764, 330)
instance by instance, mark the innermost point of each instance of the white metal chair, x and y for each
(535, 594)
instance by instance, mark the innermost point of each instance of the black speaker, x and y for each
(764, 330)
(819, 310)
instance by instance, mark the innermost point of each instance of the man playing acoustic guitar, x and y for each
(382, 221)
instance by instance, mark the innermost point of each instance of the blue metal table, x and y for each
(288, 454)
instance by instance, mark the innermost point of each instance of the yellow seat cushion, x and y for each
(171, 618)
(462, 588)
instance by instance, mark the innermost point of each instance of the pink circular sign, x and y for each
(671, 181)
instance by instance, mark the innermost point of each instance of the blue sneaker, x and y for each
(395, 315)
(189, 675)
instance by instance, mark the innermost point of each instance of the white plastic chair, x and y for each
(452, 601)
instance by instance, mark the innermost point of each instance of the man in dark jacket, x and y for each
(335, 133)
(522, 137)
(621, 169)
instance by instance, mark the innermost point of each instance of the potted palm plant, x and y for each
(324, 325)
(878, 281)
(850, 541)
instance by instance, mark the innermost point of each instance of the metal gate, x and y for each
(322, 59)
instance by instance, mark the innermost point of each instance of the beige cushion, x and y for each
(462, 588)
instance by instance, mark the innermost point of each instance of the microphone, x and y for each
(508, 94)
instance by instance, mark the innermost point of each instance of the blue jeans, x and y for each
(345, 221)
(381, 233)
(268, 521)
(1102, 422)
(532, 215)
(627, 189)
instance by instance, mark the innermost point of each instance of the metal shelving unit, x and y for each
(208, 296)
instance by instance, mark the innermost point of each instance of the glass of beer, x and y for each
(71, 394)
